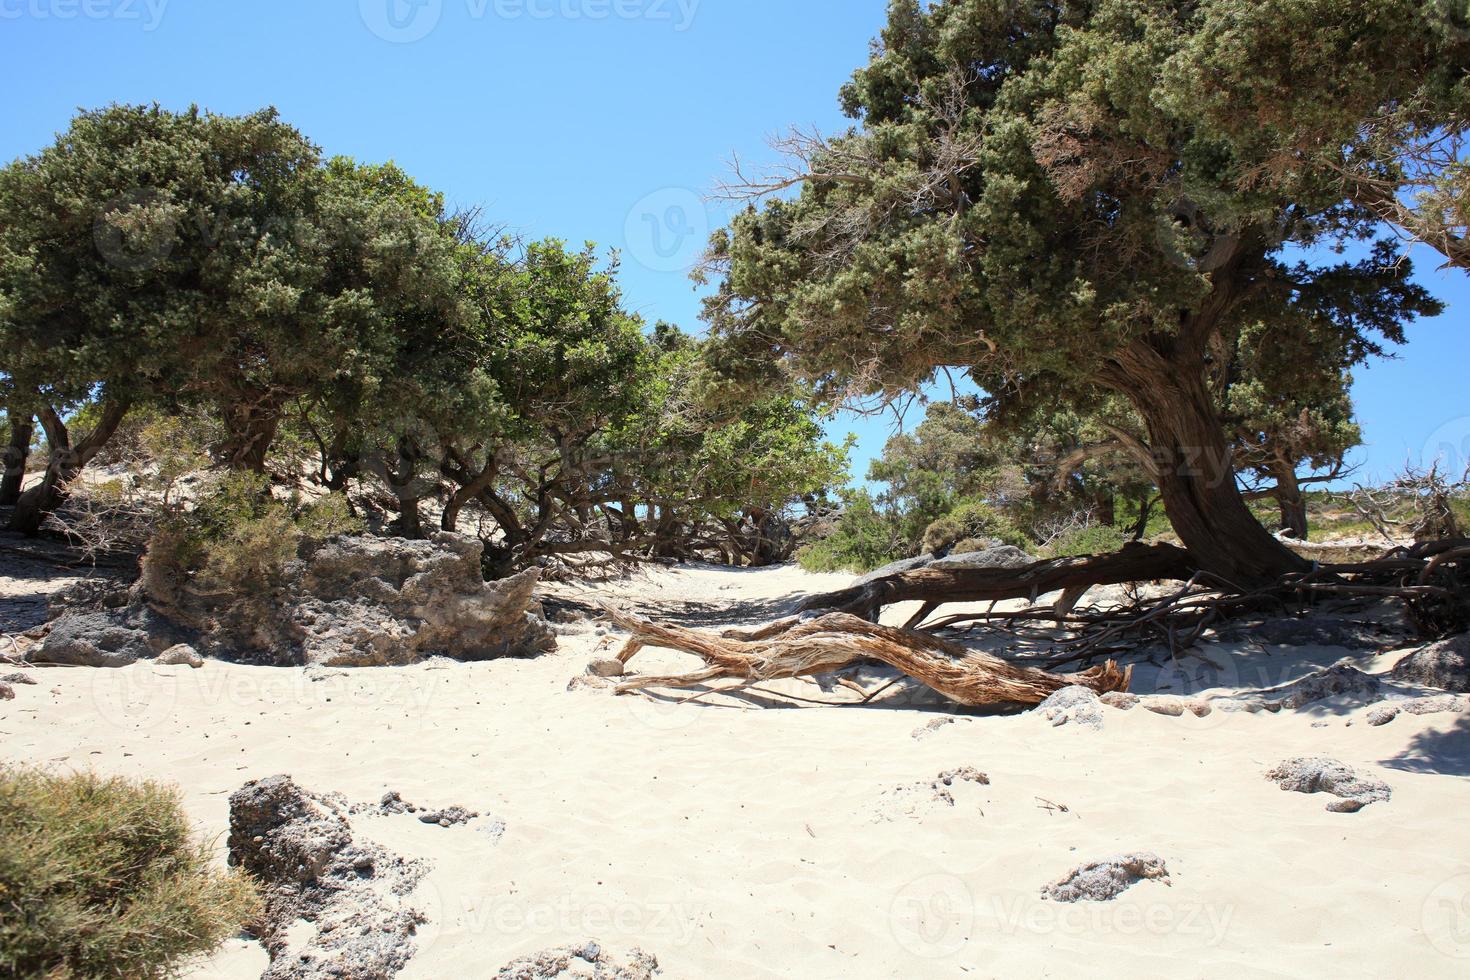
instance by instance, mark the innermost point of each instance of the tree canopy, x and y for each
(1034, 193)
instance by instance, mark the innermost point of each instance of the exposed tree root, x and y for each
(840, 640)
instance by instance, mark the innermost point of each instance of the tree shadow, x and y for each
(1441, 753)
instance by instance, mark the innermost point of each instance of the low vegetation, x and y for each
(103, 878)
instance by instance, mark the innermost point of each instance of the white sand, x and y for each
(737, 842)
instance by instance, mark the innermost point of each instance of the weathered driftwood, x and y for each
(938, 586)
(840, 640)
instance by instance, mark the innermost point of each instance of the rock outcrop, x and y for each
(1000, 556)
(1354, 791)
(311, 869)
(1445, 665)
(345, 602)
(1103, 881)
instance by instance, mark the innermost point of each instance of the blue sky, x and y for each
(600, 120)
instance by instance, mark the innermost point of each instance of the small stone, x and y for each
(1169, 707)
(17, 679)
(7, 693)
(1121, 700)
(182, 655)
(1199, 708)
(1379, 717)
(606, 668)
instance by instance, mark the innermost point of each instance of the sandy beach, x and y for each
(759, 838)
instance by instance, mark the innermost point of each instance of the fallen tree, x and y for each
(939, 586)
(839, 640)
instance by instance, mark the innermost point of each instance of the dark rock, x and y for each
(454, 816)
(1445, 665)
(7, 693)
(1005, 556)
(18, 679)
(1330, 776)
(111, 638)
(896, 568)
(1103, 881)
(301, 849)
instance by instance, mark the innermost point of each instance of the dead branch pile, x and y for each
(839, 640)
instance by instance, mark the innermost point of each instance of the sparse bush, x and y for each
(237, 540)
(103, 878)
(973, 522)
(863, 539)
(1096, 540)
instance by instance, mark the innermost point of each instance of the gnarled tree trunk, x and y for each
(250, 428)
(17, 454)
(1294, 519)
(65, 464)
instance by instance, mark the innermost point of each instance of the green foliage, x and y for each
(972, 520)
(237, 539)
(1096, 540)
(1055, 199)
(863, 540)
(101, 878)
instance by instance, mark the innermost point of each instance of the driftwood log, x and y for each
(938, 586)
(840, 640)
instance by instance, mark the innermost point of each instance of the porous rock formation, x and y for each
(1354, 791)
(301, 849)
(344, 602)
(588, 961)
(1103, 881)
(1445, 665)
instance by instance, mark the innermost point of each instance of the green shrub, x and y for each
(237, 539)
(103, 878)
(1098, 540)
(974, 522)
(864, 539)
